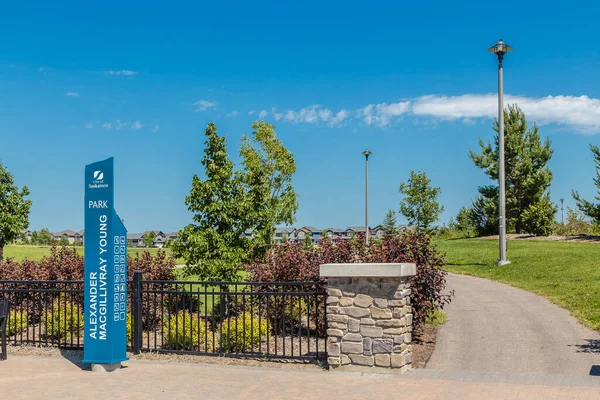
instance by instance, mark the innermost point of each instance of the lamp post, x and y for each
(500, 49)
(367, 153)
(562, 211)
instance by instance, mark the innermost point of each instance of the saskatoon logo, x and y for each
(98, 175)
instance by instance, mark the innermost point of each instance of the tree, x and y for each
(420, 203)
(390, 223)
(14, 209)
(149, 238)
(214, 245)
(229, 202)
(267, 176)
(64, 241)
(588, 208)
(528, 178)
(464, 221)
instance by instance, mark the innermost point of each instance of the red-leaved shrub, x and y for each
(291, 262)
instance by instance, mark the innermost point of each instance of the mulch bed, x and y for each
(423, 345)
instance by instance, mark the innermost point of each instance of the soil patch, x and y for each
(423, 345)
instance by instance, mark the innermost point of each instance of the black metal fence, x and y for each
(243, 319)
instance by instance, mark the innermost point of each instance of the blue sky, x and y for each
(412, 82)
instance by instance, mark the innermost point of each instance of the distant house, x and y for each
(72, 237)
(283, 235)
(335, 233)
(353, 230)
(135, 239)
(378, 231)
(309, 231)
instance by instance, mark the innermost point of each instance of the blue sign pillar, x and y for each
(105, 270)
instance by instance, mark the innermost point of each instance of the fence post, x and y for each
(137, 312)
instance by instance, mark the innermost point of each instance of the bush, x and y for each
(63, 319)
(292, 262)
(185, 331)
(243, 332)
(17, 322)
(576, 224)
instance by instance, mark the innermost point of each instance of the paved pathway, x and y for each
(495, 327)
(58, 378)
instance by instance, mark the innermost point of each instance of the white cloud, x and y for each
(251, 112)
(582, 113)
(137, 125)
(107, 126)
(262, 114)
(156, 128)
(381, 114)
(233, 114)
(203, 105)
(72, 94)
(120, 125)
(89, 125)
(124, 72)
(312, 114)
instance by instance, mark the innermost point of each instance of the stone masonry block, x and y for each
(332, 310)
(391, 323)
(356, 312)
(362, 360)
(363, 300)
(334, 361)
(397, 303)
(333, 349)
(371, 331)
(394, 331)
(352, 337)
(381, 303)
(334, 292)
(353, 325)
(352, 347)
(397, 360)
(367, 343)
(332, 301)
(377, 312)
(346, 301)
(383, 346)
(337, 318)
(335, 332)
(367, 321)
(382, 360)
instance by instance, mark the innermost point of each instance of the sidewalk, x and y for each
(55, 377)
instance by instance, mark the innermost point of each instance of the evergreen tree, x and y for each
(420, 203)
(528, 178)
(588, 208)
(390, 223)
(14, 209)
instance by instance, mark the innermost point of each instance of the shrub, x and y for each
(185, 331)
(243, 332)
(129, 327)
(17, 322)
(154, 268)
(63, 319)
(293, 262)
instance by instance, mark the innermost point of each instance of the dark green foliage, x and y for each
(528, 178)
(390, 223)
(420, 203)
(14, 209)
(588, 208)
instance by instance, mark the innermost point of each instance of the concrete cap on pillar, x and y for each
(367, 270)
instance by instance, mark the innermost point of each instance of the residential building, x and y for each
(378, 231)
(308, 231)
(72, 236)
(284, 235)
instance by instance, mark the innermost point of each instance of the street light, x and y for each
(367, 153)
(562, 211)
(500, 49)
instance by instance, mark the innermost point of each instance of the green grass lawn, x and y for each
(567, 273)
(20, 252)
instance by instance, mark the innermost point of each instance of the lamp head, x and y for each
(500, 48)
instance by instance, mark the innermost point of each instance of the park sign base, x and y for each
(105, 272)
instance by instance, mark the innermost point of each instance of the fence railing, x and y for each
(243, 319)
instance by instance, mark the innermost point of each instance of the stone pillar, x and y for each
(369, 316)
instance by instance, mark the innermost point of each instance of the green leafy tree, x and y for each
(214, 246)
(14, 209)
(463, 222)
(390, 223)
(64, 241)
(588, 208)
(148, 239)
(308, 242)
(420, 203)
(268, 168)
(229, 202)
(528, 178)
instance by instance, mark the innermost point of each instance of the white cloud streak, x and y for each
(124, 72)
(233, 114)
(137, 125)
(72, 94)
(262, 114)
(203, 105)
